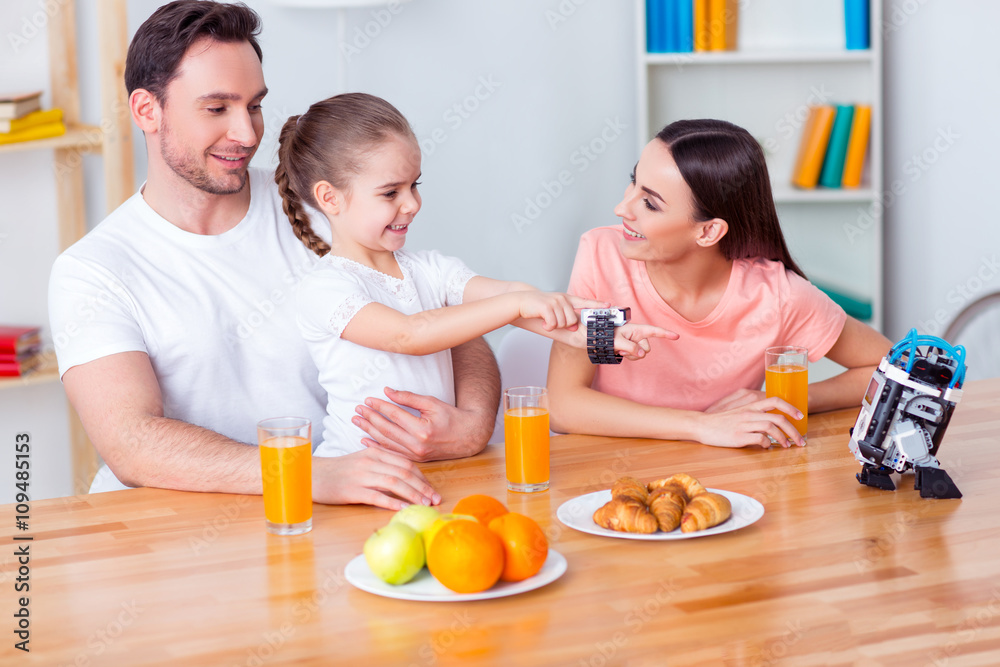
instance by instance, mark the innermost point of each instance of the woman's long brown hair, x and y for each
(724, 167)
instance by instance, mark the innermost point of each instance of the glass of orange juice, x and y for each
(286, 466)
(786, 375)
(526, 438)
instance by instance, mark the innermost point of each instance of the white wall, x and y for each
(942, 236)
(559, 83)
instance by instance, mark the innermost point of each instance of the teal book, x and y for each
(836, 150)
(856, 307)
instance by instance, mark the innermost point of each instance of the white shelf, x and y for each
(791, 57)
(786, 194)
(783, 57)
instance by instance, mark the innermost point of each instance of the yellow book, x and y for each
(723, 21)
(702, 27)
(812, 146)
(857, 146)
(32, 133)
(32, 119)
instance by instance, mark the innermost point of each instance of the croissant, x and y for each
(667, 505)
(692, 487)
(626, 515)
(630, 487)
(704, 511)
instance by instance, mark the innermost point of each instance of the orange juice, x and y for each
(526, 440)
(286, 466)
(790, 382)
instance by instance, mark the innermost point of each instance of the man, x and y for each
(176, 310)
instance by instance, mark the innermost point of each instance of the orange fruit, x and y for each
(465, 556)
(524, 545)
(484, 508)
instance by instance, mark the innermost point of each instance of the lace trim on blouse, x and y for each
(346, 311)
(405, 290)
(456, 285)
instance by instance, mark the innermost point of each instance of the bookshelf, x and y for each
(791, 55)
(112, 140)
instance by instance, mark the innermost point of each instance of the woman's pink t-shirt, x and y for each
(764, 305)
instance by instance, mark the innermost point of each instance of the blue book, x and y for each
(836, 150)
(856, 24)
(656, 26)
(684, 24)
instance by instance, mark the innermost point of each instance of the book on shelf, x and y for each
(723, 24)
(812, 146)
(833, 147)
(683, 14)
(856, 24)
(857, 307)
(44, 131)
(836, 148)
(669, 27)
(18, 366)
(16, 340)
(17, 105)
(32, 119)
(857, 146)
(702, 31)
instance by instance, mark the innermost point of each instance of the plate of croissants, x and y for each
(672, 508)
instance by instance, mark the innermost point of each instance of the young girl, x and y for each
(376, 315)
(700, 252)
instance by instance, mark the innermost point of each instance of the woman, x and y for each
(700, 252)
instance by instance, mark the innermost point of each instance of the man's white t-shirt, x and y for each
(333, 293)
(214, 313)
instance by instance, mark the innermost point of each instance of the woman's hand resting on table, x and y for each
(742, 420)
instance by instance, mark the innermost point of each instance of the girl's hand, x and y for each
(555, 309)
(631, 340)
(750, 424)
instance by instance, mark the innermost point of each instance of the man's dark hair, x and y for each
(162, 40)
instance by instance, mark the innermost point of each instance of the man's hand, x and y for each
(372, 476)
(442, 431)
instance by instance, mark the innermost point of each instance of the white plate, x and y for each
(578, 514)
(428, 589)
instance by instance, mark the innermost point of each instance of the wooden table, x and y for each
(833, 574)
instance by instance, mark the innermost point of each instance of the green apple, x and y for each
(395, 553)
(417, 517)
